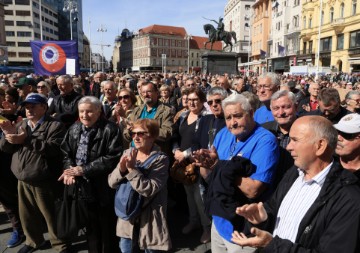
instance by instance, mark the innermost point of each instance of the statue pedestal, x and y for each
(219, 63)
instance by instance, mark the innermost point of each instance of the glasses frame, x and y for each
(141, 134)
(216, 101)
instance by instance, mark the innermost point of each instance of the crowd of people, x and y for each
(276, 157)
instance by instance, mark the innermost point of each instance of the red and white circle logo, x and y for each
(52, 57)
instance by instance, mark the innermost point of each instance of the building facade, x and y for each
(3, 48)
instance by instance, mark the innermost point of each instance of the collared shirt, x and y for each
(145, 114)
(297, 202)
(313, 105)
(36, 125)
(283, 139)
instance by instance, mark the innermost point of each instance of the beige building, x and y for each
(339, 34)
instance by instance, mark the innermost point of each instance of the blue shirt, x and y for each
(263, 115)
(148, 115)
(260, 148)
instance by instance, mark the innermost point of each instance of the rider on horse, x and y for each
(220, 28)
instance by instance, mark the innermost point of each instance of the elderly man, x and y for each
(310, 103)
(110, 101)
(329, 105)
(267, 85)
(65, 105)
(153, 109)
(94, 88)
(242, 138)
(348, 145)
(316, 206)
(224, 83)
(36, 163)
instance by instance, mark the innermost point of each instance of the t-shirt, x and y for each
(260, 148)
(263, 114)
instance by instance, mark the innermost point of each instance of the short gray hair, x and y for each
(275, 80)
(322, 128)
(217, 90)
(283, 93)
(113, 84)
(351, 93)
(91, 100)
(66, 79)
(237, 99)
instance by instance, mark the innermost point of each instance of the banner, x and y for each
(262, 54)
(281, 50)
(49, 57)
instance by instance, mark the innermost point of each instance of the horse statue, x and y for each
(223, 36)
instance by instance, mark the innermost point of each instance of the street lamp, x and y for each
(102, 29)
(188, 38)
(319, 42)
(71, 7)
(248, 65)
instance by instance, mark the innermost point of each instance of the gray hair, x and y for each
(237, 99)
(91, 100)
(351, 93)
(275, 80)
(113, 84)
(66, 79)
(322, 128)
(283, 93)
(217, 90)
(46, 84)
(253, 99)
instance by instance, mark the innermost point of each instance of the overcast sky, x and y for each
(115, 15)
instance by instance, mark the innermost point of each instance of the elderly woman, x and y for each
(165, 94)
(92, 147)
(188, 125)
(352, 100)
(44, 88)
(150, 226)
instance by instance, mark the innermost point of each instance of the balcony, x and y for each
(291, 30)
(338, 24)
(305, 52)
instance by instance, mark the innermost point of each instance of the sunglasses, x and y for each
(123, 97)
(40, 86)
(215, 101)
(347, 136)
(140, 134)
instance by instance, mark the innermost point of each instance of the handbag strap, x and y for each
(146, 164)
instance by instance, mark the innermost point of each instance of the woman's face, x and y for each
(184, 101)
(194, 103)
(42, 89)
(88, 114)
(165, 94)
(124, 99)
(141, 138)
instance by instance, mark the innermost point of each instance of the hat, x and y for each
(349, 124)
(24, 81)
(35, 98)
(302, 81)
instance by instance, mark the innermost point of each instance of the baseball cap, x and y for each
(35, 98)
(24, 81)
(349, 124)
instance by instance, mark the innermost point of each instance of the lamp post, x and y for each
(71, 7)
(319, 42)
(248, 65)
(188, 38)
(102, 29)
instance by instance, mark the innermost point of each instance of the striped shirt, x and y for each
(297, 202)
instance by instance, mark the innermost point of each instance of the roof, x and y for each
(164, 29)
(198, 42)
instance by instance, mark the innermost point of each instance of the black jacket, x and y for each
(104, 151)
(331, 225)
(334, 120)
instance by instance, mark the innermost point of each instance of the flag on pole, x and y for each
(262, 54)
(50, 57)
(281, 50)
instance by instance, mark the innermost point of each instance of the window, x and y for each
(22, 13)
(353, 7)
(304, 23)
(9, 23)
(22, 2)
(9, 12)
(25, 54)
(23, 23)
(8, 1)
(310, 47)
(331, 14)
(355, 39)
(10, 33)
(23, 44)
(322, 18)
(12, 54)
(310, 22)
(340, 42)
(325, 44)
(342, 7)
(23, 34)
(296, 21)
(11, 43)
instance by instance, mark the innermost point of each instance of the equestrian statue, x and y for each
(219, 34)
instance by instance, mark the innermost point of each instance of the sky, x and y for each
(115, 15)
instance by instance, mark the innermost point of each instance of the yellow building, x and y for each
(339, 33)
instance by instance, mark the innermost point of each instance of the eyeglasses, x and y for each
(215, 101)
(123, 97)
(194, 100)
(347, 136)
(41, 87)
(140, 134)
(265, 87)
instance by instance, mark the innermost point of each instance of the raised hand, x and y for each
(16, 138)
(8, 127)
(260, 240)
(254, 213)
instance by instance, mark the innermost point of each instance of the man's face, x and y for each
(239, 85)
(301, 145)
(149, 94)
(34, 112)
(24, 90)
(109, 91)
(348, 145)
(283, 110)
(314, 90)
(190, 84)
(238, 122)
(97, 78)
(215, 105)
(265, 89)
(223, 82)
(88, 114)
(354, 103)
(64, 88)
(329, 111)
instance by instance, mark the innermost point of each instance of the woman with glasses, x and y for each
(352, 100)
(150, 226)
(187, 126)
(44, 88)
